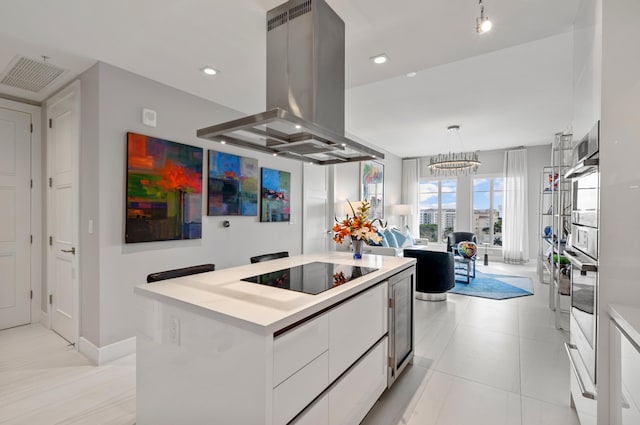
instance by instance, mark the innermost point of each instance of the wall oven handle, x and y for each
(585, 393)
(578, 264)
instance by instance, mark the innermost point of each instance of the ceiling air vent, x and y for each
(29, 74)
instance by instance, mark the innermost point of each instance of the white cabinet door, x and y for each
(316, 414)
(355, 326)
(356, 392)
(298, 347)
(294, 394)
(625, 381)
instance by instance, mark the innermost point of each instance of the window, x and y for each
(488, 200)
(437, 209)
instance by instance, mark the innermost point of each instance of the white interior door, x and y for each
(316, 217)
(62, 152)
(15, 208)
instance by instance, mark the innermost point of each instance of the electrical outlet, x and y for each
(174, 330)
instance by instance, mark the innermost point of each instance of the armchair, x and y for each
(454, 238)
(463, 264)
(435, 273)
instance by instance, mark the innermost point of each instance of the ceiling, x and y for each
(509, 87)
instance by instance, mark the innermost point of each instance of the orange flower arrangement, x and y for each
(358, 226)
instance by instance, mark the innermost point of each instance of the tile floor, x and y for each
(45, 381)
(477, 361)
(480, 361)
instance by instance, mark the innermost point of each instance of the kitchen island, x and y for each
(212, 348)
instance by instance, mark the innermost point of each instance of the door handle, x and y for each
(72, 250)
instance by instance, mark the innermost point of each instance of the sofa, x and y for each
(394, 241)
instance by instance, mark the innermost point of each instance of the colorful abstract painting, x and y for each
(233, 185)
(276, 189)
(372, 179)
(164, 190)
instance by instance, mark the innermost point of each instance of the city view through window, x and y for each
(438, 209)
(488, 201)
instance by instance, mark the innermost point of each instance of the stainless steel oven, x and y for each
(582, 253)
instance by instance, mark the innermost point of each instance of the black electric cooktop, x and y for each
(312, 278)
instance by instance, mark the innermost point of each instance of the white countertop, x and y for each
(263, 308)
(628, 318)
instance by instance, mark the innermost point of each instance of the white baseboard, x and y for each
(102, 355)
(44, 319)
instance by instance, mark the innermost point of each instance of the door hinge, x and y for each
(31, 294)
(32, 127)
(50, 298)
(31, 238)
(31, 183)
(50, 123)
(389, 303)
(50, 182)
(389, 362)
(50, 240)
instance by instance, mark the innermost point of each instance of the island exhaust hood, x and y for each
(305, 91)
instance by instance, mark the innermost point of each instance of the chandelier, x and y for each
(454, 163)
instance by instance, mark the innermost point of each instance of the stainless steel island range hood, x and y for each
(305, 91)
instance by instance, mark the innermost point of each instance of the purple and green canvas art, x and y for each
(276, 189)
(164, 190)
(233, 185)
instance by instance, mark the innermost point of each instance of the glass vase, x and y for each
(358, 245)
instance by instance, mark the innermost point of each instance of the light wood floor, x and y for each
(44, 381)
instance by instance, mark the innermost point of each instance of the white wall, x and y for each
(113, 101)
(492, 164)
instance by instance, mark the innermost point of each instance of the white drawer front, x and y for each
(298, 347)
(630, 376)
(294, 394)
(355, 326)
(316, 414)
(356, 392)
(585, 407)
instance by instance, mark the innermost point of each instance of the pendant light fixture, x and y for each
(454, 163)
(483, 24)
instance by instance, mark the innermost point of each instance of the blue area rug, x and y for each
(495, 286)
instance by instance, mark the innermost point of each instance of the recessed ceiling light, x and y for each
(298, 126)
(275, 154)
(209, 70)
(343, 144)
(222, 142)
(411, 74)
(379, 59)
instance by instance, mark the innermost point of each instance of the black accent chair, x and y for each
(435, 273)
(185, 271)
(269, 257)
(453, 239)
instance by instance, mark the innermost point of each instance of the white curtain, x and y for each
(515, 234)
(410, 176)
